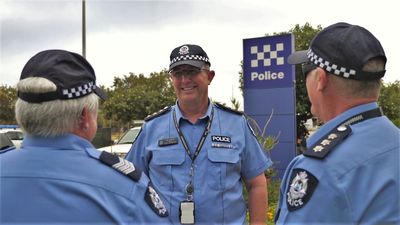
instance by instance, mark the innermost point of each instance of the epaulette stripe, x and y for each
(328, 142)
(121, 165)
(157, 114)
(223, 107)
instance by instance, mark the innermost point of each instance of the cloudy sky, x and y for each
(138, 36)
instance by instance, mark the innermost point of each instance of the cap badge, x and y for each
(184, 50)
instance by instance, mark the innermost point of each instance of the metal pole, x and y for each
(84, 28)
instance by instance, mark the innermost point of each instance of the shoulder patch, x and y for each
(154, 201)
(300, 189)
(226, 108)
(121, 165)
(159, 113)
(328, 142)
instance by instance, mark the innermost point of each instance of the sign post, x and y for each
(269, 88)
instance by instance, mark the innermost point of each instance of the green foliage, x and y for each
(8, 96)
(389, 100)
(134, 97)
(235, 103)
(268, 142)
(303, 36)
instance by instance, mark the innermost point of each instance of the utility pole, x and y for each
(84, 28)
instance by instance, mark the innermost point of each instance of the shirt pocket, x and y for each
(223, 168)
(164, 165)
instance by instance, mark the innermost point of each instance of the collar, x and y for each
(327, 127)
(63, 142)
(179, 115)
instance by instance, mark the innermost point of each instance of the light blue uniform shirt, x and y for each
(55, 181)
(358, 182)
(218, 169)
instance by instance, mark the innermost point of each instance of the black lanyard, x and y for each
(362, 116)
(202, 140)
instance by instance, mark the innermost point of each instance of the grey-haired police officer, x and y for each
(58, 177)
(349, 173)
(196, 152)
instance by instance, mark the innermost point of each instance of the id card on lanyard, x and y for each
(186, 208)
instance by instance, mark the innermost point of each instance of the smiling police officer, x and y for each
(197, 152)
(349, 173)
(58, 177)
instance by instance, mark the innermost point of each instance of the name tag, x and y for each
(221, 145)
(168, 141)
(217, 138)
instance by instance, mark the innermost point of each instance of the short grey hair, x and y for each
(51, 118)
(356, 88)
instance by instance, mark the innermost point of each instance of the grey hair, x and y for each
(361, 89)
(205, 67)
(51, 118)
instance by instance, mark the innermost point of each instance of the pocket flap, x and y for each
(168, 156)
(223, 155)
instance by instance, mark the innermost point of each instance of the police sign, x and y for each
(269, 89)
(264, 62)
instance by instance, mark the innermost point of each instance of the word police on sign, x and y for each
(267, 76)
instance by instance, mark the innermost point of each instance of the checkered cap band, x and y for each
(189, 57)
(330, 67)
(79, 91)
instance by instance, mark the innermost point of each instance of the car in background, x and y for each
(5, 143)
(15, 135)
(124, 144)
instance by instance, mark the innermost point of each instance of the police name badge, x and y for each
(301, 187)
(221, 141)
(167, 141)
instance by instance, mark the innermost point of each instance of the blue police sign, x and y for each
(264, 62)
(269, 89)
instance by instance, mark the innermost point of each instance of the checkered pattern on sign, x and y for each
(272, 55)
(189, 57)
(79, 91)
(330, 67)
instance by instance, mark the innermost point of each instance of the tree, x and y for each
(8, 96)
(389, 100)
(303, 36)
(133, 97)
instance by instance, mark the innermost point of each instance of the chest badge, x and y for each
(301, 187)
(221, 141)
(167, 141)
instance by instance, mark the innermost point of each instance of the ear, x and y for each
(322, 79)
(210, 75)
(85, 119)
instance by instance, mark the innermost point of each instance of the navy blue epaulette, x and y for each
(157, 114)
(121, 165)
(328, 142)
(226, 108)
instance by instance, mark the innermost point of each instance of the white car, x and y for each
(124, 144)
(15, 135)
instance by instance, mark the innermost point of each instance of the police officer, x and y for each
(58, 177)
(349, 173)
(198, 152)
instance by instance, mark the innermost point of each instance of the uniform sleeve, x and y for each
(137, 154)
(254, 160)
